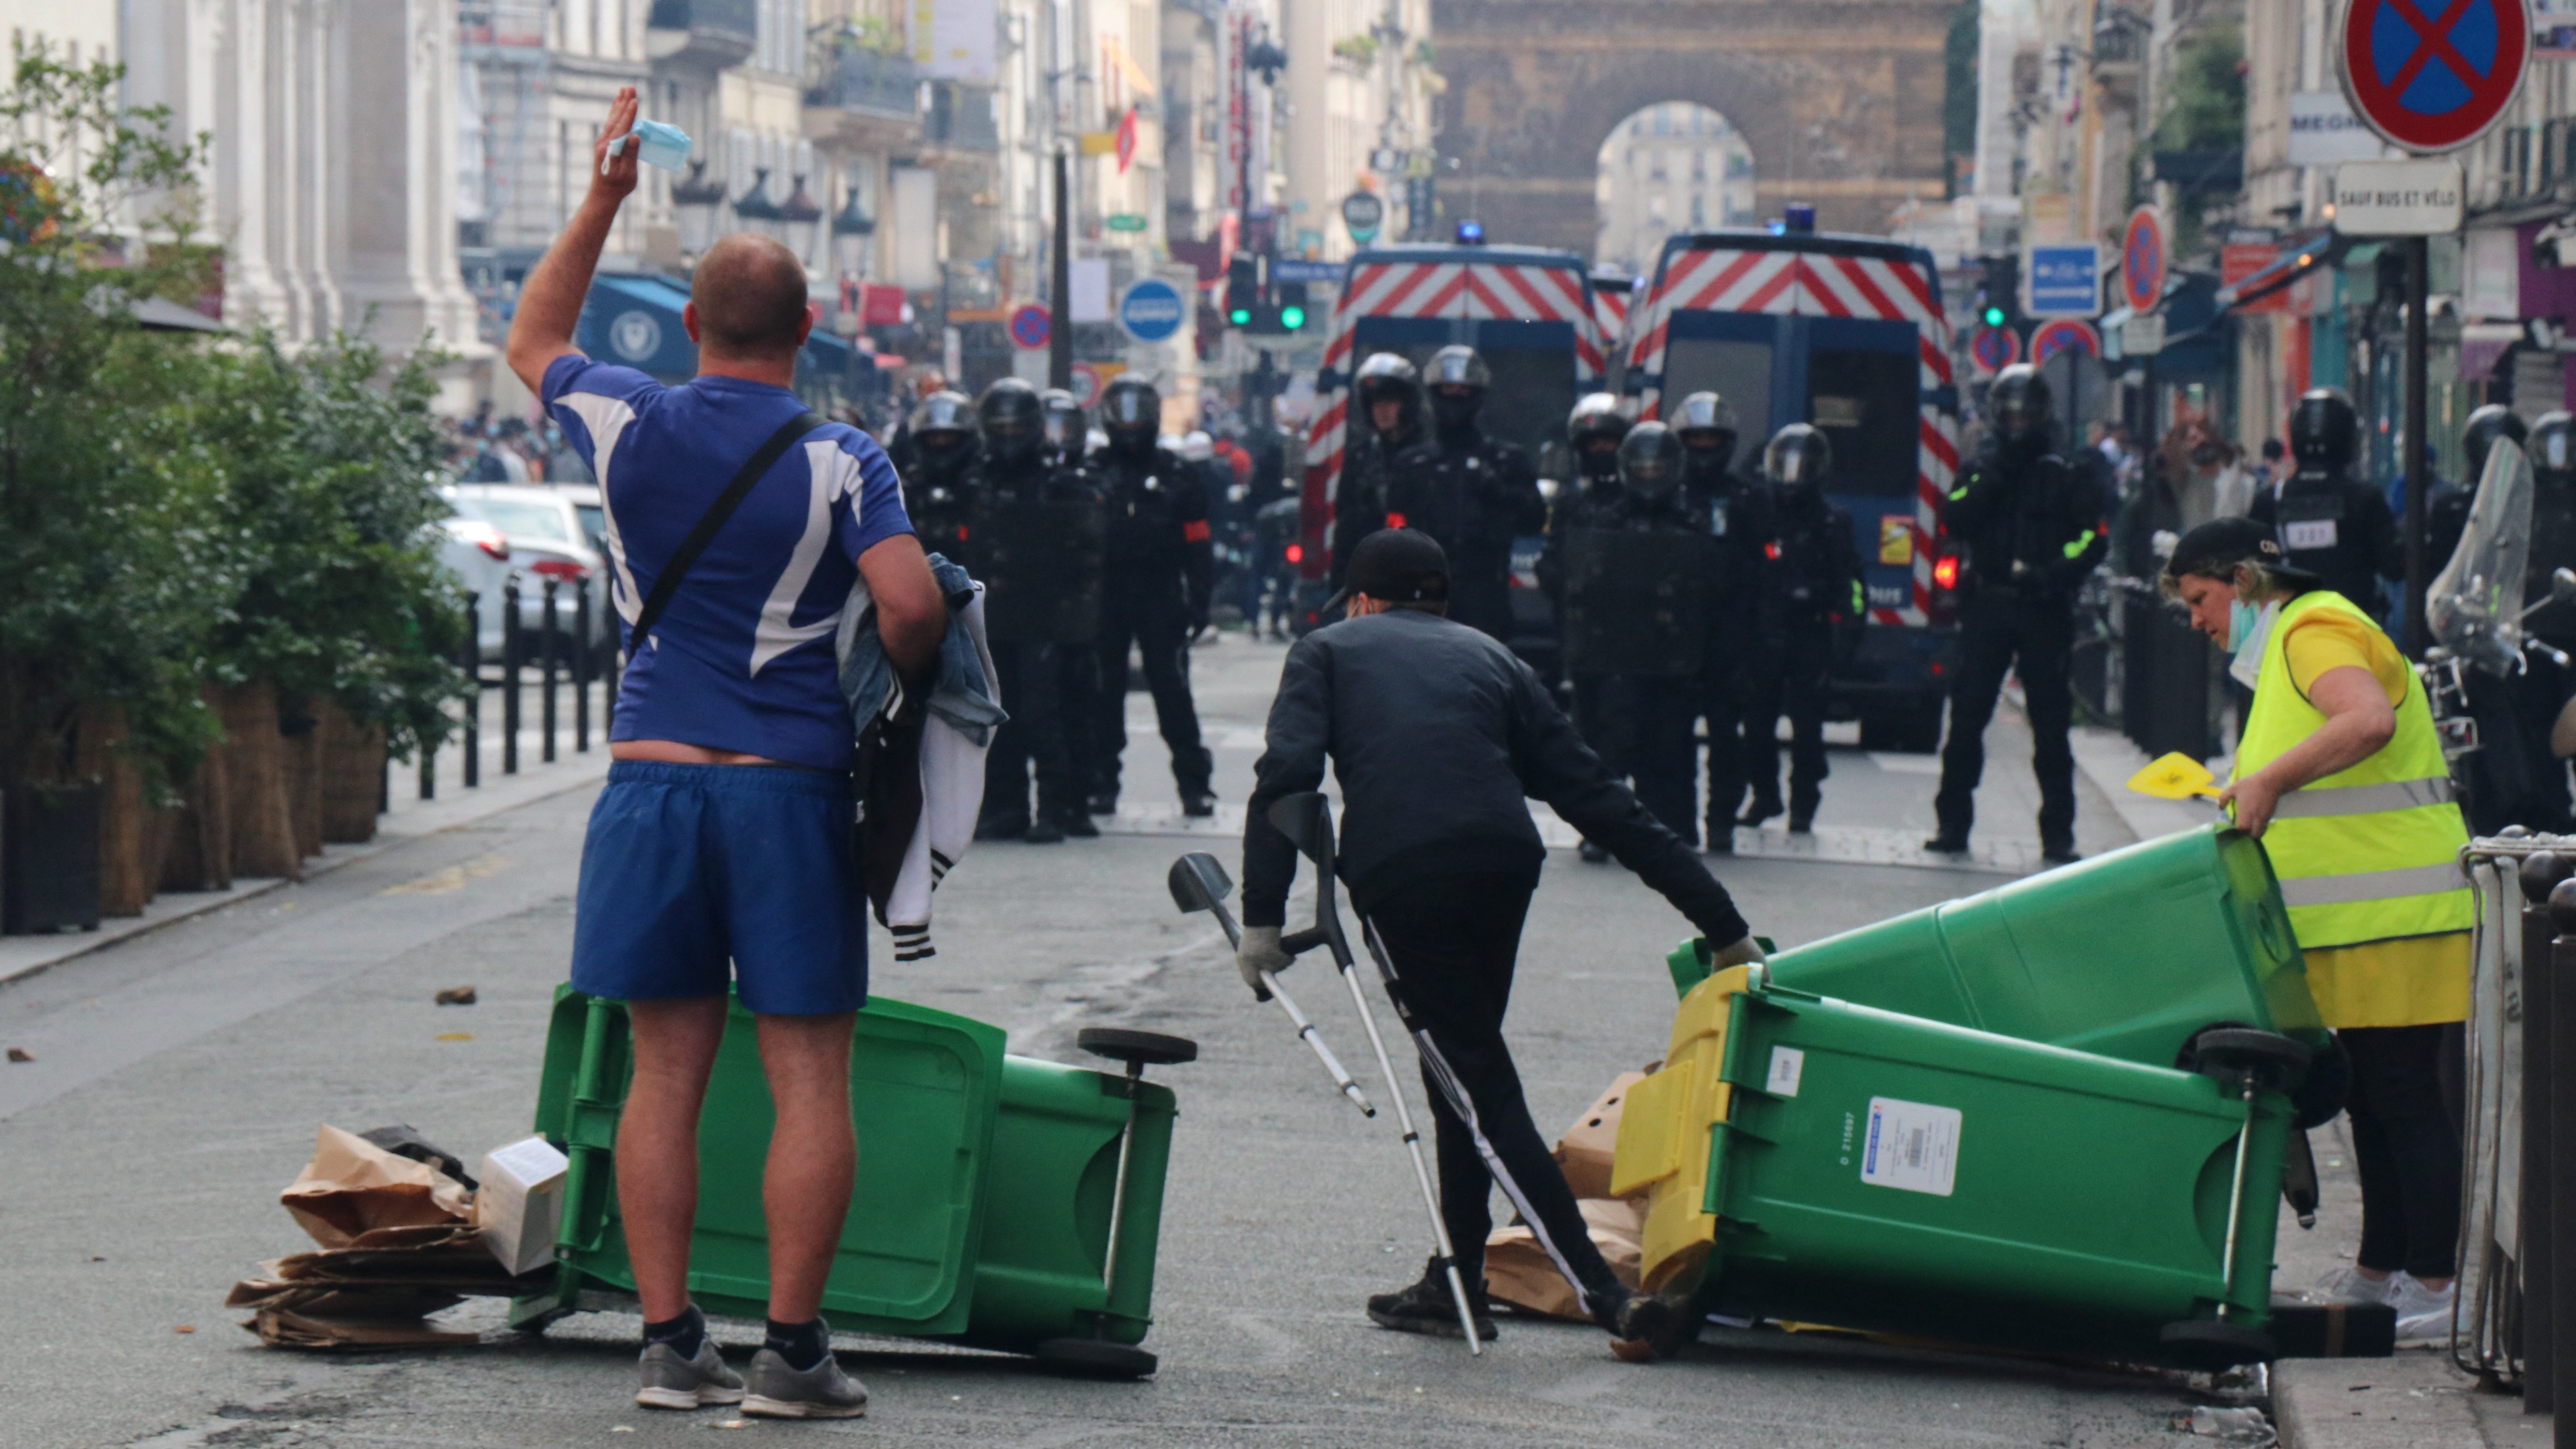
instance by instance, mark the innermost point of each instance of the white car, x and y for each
(548, 539)
(479, 556)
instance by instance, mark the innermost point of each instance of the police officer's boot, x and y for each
(1802, 810)
(1766, 803)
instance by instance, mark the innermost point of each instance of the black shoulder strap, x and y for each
(667, 582)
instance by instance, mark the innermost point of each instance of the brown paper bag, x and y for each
(1587, 1147)
(352, 1187)
(1519, 1272)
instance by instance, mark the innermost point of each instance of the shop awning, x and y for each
(2299, 256)
(634, 321)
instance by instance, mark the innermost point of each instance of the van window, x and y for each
(1866, 404)
(1739, 372)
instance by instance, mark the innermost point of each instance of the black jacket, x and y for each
(1439, 736)
(1158, 521)
(1359, 499)
(2365, 546)
(2035, 526)
(1818, 572)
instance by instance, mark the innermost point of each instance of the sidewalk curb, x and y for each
(2108, 758)
(25, 956)
(2413, 1400)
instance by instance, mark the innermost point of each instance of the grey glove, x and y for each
(1741, 953)
(1260, 952)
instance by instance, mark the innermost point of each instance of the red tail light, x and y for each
(1945, 571)
(495, 548)
(1296, 553)
(1771, 550)
(561, 568)
(1395, 520)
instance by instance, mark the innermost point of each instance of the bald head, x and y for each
(750, 296)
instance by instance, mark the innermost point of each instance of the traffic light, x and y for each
(1292, 306)
(1999, 300)
(1242, 290)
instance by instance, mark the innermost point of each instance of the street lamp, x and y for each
(693, 206)
(754, 208)
(801, 220)
(851, 228)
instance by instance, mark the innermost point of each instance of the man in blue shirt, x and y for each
(720, 848)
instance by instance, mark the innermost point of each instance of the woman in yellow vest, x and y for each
(2341, 776)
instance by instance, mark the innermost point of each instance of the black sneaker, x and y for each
(1198, 804)
(1947, 844)
(2061, 853)
(1760, 810)
(1644, 1327)
(1078, 825)
(1721, 837)
(1103, 802)
(1426, 1307)
(1802, 824)
(1593, 854)
(1043, 832)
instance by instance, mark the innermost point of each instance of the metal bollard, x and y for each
(550, 644)
(511, 648)
(585, 660)
(2536, 1260)
(473, 746)
(2561, 1289)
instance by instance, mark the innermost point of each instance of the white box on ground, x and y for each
(2398, 198)
(520, 1204)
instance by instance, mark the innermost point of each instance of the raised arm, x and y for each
(550, 300)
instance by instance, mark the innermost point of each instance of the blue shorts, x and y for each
(690, 867)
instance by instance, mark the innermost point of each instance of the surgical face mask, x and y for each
(657, 144)
(2247, 631)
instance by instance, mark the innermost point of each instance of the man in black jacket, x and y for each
(1438, 734)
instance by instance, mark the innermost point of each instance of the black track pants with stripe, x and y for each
(1451, 941)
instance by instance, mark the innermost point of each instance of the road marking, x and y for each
(440, 882)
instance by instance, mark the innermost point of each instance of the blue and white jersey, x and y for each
(742, 657)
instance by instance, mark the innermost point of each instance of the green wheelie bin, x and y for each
(987, 1190)
(2125, 955)
(1814, 1161)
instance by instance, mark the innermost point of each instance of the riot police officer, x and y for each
(1815, 605)
(2446, 513)
(1039, 541)
(2511, 778)
(1594, 431)
(1385, 419)
(2327, 521)
(1065, 427)
(1157, 595)
(1739, 669)
(1471, 493)
(2034, 528)
(942, 438)
(1629, 570)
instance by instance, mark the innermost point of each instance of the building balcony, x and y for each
(708, 33)
(960, 118)
(864, 81)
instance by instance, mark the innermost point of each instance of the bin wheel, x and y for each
(2228, 1050)
(1092, 1358)
(1145, 1048)
(2207, 1343)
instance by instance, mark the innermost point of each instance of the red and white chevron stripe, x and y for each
(1554, 291)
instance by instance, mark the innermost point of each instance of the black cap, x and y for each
(2214, 549)
(1396, 566)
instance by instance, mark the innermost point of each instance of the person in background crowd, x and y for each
(2268, 474)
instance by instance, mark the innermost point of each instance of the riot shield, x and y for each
(1042, 564)
(1635, 603)
(2475, 604)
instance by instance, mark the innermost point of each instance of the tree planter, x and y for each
(353, 777)
(299, 729)
(49, 858)
(198, 855)
(129, 862)
(263, 829)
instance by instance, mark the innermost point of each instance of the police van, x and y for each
(1530, 312)
(1846, 333)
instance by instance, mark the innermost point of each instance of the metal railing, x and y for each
(574, 659)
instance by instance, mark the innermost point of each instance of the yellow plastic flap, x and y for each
(1664, 1132)
(1649, 1149)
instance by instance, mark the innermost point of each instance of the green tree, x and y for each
(2206, 110)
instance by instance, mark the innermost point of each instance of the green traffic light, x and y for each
(1994, 316)
(1239, 316)
(1292, 318)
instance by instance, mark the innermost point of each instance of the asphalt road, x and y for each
(179, 1077)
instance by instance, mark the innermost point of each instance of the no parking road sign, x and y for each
(2433, 75)
(2142, 260)
(1994, 348)
(1030, 327)
(2066, 334)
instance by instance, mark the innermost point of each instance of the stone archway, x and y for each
(1670, 166)
(1839, 101)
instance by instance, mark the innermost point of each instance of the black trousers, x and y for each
(2036, 639)
(1152, 612)
(1032, 683)
(1640, 726)
(1800, 677)
(1727, 695)
(1452, 941)
(2406, 1148)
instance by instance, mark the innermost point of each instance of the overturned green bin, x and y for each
(987, 1187)
(1814, 1161)
(2125, 955)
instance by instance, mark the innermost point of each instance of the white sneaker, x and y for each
(2348, 1285)
(2423, 1315)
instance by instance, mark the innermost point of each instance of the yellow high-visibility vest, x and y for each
(2371, 853)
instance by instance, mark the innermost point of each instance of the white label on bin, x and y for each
(1911, 1145)
(1786, 1063)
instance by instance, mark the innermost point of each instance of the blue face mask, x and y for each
(2240, 623)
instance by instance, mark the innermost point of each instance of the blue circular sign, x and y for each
(2433, 77)
(1031, 327)
(1152, 310)
(1995, 348)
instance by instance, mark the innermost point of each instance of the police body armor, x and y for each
(1043, 552)
(1462, 499)
(1635, 601)
(1144, 523)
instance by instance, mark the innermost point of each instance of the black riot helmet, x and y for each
(1798, 459)
(1131, 413)
(943, 430)
(2018, 405)
(1650, 462)
(2552, 446)
(1064, 423)
(2325, 432)
(1013, 419)
(1458, 380)
(2478, 436)
(1388, 377)
(1706, 425)
(1593, 430)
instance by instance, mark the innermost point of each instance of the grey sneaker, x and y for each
(821, 1392)
(673, 1382)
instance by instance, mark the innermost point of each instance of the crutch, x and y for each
(1307, 820)
(1199, 884)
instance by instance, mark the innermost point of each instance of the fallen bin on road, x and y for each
(983, 1204)
(1816, 1161)
(2125, 955)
